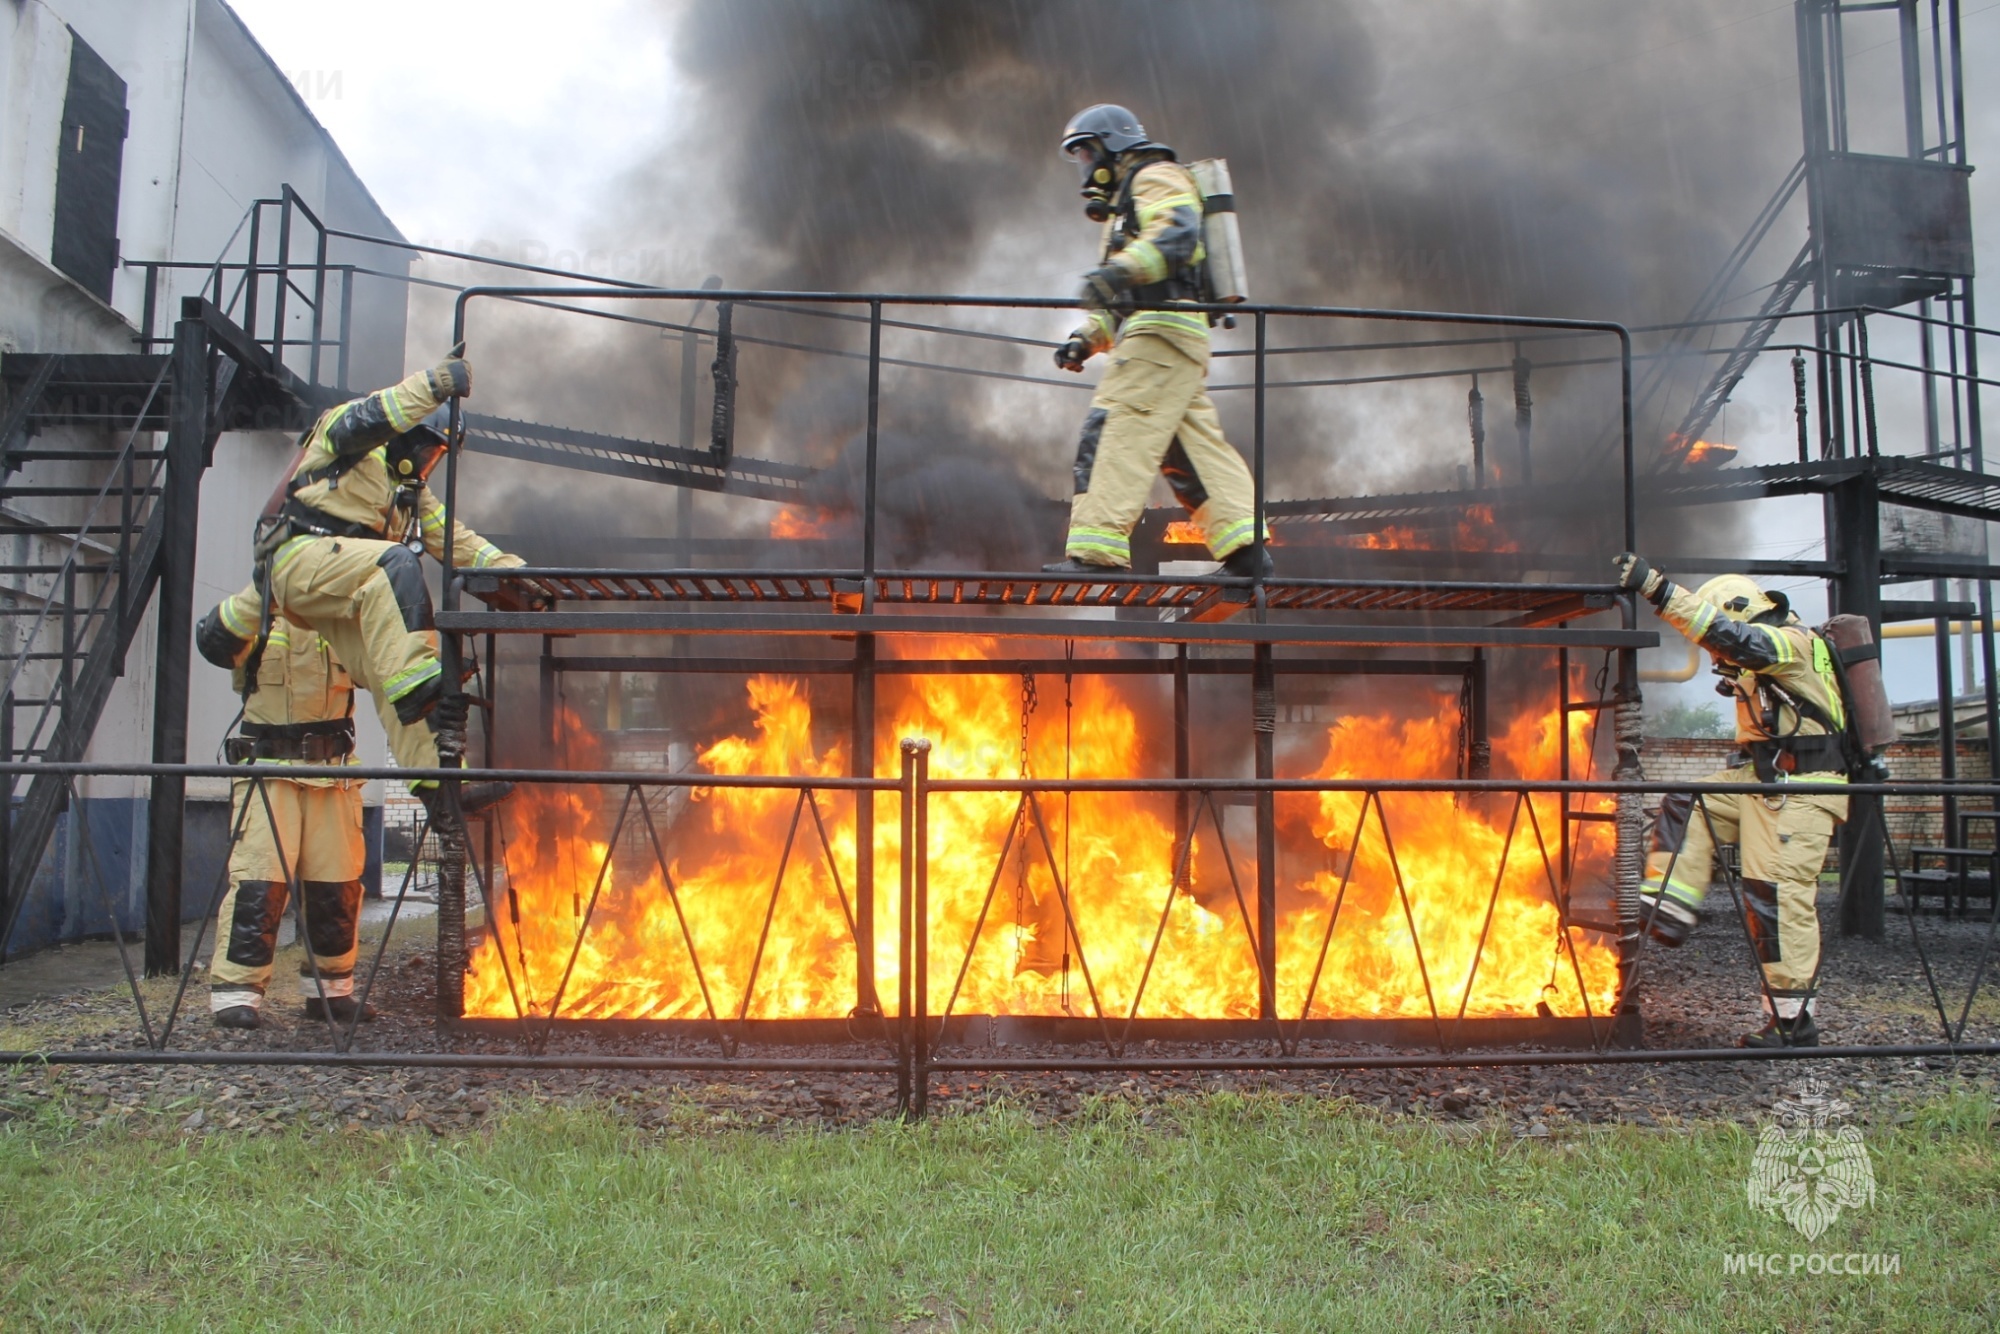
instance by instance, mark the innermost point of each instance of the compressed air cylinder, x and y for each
(1219, 232)
(1861, 663)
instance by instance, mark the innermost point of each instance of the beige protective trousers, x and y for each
(1782, 850)
(1152, 407)
(309, 834)
(368, 599)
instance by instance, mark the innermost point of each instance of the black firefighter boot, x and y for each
(339, 1010)
(1251, 562)
(1799, 1032)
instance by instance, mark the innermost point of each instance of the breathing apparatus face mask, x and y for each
(1095, 164)
(413, 454)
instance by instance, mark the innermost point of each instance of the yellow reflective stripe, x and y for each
(402, 684)
(1148, 265)
(398, 416)
(1191, 322)
(1674, 888)
(433, 519)
(1228, 540)
(1152, 209)
(280, 638)
(1698, 623)
(1780, 643)
(486, 555)
(230, 619)
(289, 550)
(1101, 542)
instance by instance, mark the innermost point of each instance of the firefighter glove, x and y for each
(1105, 288)
(451, 712)
(1635, 575)
(452, 378)
(217, 642)
(1071, 355)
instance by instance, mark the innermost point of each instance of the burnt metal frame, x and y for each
(913, 1049)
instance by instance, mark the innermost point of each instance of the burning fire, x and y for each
(1115, 855)
(1475, 530)
(1187, 533)
(1699, 453)
(792, 524)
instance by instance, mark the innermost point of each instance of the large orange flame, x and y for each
(1112, 857)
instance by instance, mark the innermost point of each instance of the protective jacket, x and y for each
(1154, 234)
(342, 484)
(1789, 711)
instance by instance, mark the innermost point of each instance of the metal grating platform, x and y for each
(1178, 597)
(640, 460)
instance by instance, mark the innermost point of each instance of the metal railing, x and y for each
(914, 1035)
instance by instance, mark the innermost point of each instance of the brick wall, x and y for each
(1915, 820)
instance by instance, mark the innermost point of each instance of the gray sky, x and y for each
(504, 126)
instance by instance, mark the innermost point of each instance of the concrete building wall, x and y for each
(214, 125)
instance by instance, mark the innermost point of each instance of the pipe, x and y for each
(1685, 672)
(1928, 629)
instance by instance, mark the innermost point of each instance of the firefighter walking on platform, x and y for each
(1792, 724)
(1152, 413)
(287, 831)
(335, 554)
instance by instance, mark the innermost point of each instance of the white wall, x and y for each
(214, 125)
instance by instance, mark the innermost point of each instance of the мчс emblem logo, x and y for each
(1808, 1168)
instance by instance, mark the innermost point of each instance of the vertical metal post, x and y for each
(871, 460)
(249, 273)
(1183, 755)
(180, 501)
(867, 1001)
(1475, 419)
(1947, 712)
(1524, 416)
(1562, 764)
(683, 497)
(547, 719)
(1257, 446)
(920, 932)
(1478, 729)
(1913, 78)
(1855, 521)
(6, 814)
(1628, 708)
(346, 327)
(284, 280)
(1799, 404)
(319, 307)
(1264, 719)
(905, 1048)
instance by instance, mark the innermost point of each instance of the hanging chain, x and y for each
(1029, 699)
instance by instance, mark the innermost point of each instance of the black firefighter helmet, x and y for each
(1093, 139)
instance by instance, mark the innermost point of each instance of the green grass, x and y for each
(1217, 1214)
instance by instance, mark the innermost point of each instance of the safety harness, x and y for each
(1191, 283)
(1836, 750)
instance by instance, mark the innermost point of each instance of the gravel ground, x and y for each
(1700, 996)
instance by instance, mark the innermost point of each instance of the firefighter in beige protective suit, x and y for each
(1151, 413)
(291, 831)
(1790, 721)
(335, 555)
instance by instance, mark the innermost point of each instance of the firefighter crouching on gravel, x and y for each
(1790, 718)
(1151, 412)
(290, 830)
(334, 553)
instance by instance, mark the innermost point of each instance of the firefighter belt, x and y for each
(1783, 845)
(1152, 409)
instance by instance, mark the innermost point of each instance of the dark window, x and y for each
(88, 164)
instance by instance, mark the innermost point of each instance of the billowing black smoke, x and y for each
(1581, 160)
